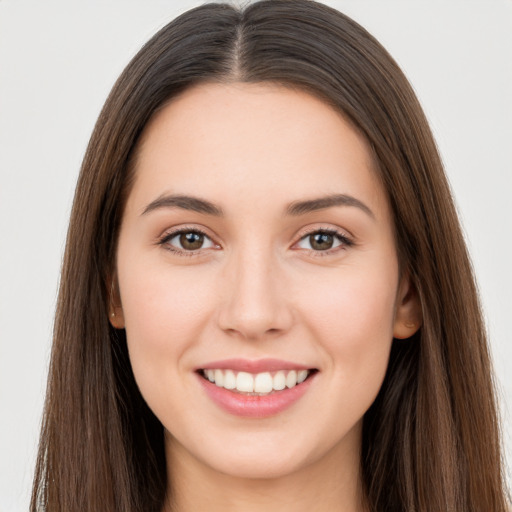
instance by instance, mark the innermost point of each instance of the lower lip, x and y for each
(253, 406)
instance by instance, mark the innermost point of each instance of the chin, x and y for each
(260, 466)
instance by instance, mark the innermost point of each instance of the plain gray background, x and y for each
(58, 60)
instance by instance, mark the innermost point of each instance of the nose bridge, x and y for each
(255, 303)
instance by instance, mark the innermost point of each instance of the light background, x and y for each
(58, 60)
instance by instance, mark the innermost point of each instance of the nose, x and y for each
(255, 304)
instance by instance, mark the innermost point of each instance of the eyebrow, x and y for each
(302, 207)
(296, 208)
(191, 203)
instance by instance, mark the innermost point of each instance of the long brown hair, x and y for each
(431, 439)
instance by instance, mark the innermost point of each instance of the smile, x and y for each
(260, 384)
(255, 389)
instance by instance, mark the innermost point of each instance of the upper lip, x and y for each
(254, 366)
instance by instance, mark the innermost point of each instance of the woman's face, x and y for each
(256, 250)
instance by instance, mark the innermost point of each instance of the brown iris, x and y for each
(191, 240)
(321, 241)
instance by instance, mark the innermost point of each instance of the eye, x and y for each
(187, 240)
(323, 240)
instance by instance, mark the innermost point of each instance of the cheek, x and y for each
(353, 322)
(165, 313)
(351, 304)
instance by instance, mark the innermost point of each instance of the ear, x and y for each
(408, 315)
(115, 309)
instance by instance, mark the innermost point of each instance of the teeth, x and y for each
(229, 380)
(219, 378)
(261, 383)
(291, 379)
(279, 381)
(301, 376)
(244, 382)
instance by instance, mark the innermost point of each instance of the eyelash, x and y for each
(164, 241)
(344, 240)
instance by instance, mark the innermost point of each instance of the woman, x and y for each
(266, 300)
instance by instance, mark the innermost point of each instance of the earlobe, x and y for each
(408, 315)
(116, 316)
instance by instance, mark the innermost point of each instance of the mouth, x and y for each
(255, 389)
(259, 384)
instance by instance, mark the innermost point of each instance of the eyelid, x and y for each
(326, 228)
(171, 233)
(346, 239)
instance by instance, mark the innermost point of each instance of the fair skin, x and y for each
(316, 287)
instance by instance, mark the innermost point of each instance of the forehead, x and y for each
(264, 142)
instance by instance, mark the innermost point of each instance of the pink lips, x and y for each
(259, 366)
(253, 406)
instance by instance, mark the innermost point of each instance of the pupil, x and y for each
(321, 241)
(191, 241)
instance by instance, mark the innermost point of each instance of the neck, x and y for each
(332, 484)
